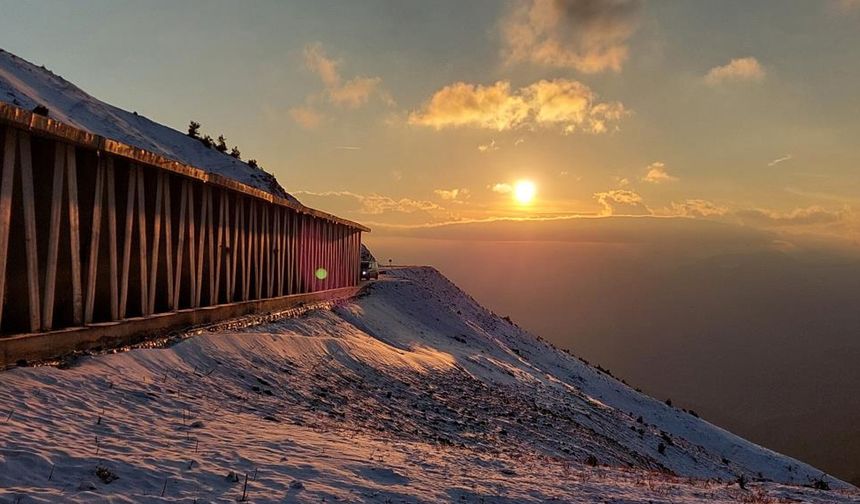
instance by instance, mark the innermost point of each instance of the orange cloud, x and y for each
(374, 204)
(657, 174)
(697, 208)
(621, 202)
(455, 194)
(798, 217)
(351, 93)
(306, 117)
(564, 104)
(737, 70)
(588, 35)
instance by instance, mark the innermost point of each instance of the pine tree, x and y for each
(207, 141)
(194, 129)
(235, 153)
(252, 163)
(221, 146)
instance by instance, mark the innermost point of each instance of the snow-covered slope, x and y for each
(26, 85)
(412, 392)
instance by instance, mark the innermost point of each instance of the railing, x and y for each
(93, 231)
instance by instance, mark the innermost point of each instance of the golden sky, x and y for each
(419, 113)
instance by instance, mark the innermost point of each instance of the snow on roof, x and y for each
(27, 86)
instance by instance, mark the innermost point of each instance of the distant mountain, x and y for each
(28, 86)
(412, 392)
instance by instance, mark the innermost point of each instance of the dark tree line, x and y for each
(220, 144)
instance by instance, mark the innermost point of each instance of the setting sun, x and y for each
(524, 191)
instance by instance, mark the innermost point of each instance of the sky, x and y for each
(694, 167)
(399, 113)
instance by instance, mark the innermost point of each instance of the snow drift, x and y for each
(27, 86)
(412, 392)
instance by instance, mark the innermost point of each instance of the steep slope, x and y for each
(411, 393)
(27, 86)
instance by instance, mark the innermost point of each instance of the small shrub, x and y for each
(106, 475)
(194, 129)
(221, 145)
(821, 484)
(591, 460)
(669, 403)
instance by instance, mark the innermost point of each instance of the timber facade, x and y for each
(94, 232)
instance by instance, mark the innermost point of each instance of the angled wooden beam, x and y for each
(126, 245)
(6, 190)
(201, 244)
(168, 240)
(112, 240)
(30, 236)
(156, 242)
(141, 242)
(213, 266)
(222, 208)
(95, 236)
(180, 246)
(54, 236)
(75, 235)
(192, 254)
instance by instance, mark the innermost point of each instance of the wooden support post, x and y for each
(246, 254)
(201, 244)
(75, 235)
(156, 242)
(112, 241)
(141, 241)
(250, 267)
(168, 241)
(275, 253)
(30, 237)
(213, 291)
(180, 246)
(54, 236)
(126, 246)
(222, 211)
(192, 252)
(234, 252)
(8, 179)
(96, 228)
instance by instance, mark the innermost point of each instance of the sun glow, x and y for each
(524, 191)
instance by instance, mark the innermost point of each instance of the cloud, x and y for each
(452, 194)
(798, 217)
(351, 93)
(737, 70)
(846, 5)
(621, 202)
(488, 147)
(587, 35)
(782, 159)
(306, 117)
(501, 188)
(697, 208)
(563, 104)
(373, 204)
(657, 174)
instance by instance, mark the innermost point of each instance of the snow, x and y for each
(26, 86)
(410, 393)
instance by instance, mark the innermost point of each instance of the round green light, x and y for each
(321, 273)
